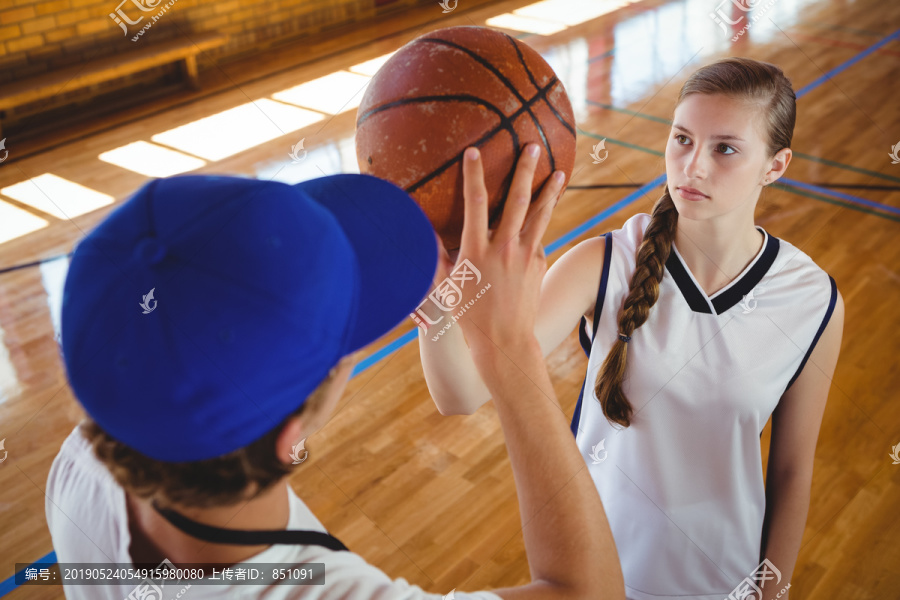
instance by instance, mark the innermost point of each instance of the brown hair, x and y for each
(763, 85)
(220, 481)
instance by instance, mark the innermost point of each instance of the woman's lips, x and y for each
(690, 194)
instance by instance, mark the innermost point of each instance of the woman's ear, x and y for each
(779, 165)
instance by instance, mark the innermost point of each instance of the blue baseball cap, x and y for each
(205, 309)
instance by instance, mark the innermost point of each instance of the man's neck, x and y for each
(153, 538)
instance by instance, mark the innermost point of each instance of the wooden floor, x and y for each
(431, 498)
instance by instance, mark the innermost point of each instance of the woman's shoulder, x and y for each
(631, 233)
(583, 264)
(798, 269)
(586, 261)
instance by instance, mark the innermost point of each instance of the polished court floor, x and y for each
(431, 498)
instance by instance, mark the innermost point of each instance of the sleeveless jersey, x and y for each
(683, 485)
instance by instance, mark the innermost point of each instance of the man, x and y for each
(254, 298)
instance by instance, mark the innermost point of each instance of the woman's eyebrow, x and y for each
(715, 137)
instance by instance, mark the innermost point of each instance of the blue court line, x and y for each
(609, 52)
(381, 353)
(847, 64)
(830, 200)
(841, 195)
(832, 163)
(10, 584)
(596, 220)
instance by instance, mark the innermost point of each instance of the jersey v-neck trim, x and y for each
(732, 293)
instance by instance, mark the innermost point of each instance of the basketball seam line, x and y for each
(552, 108)
(490, 67)
(537, 123)
(438, 98)
(478, 143)
(506, 122)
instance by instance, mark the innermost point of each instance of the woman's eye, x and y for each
(678, 138)
(726, 147)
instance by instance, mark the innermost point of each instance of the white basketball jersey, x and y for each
(683, 485)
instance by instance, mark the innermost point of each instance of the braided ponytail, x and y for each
(642, 295)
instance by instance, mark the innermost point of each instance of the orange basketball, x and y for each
(451, 89)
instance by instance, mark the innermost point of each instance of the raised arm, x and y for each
(568, 541)
(568, 291)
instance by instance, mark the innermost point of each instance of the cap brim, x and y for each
(395, 245)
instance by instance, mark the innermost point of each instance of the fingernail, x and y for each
(472, 154)
(534, 149)
(559, 176)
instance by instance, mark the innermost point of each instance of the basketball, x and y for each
(454, 88)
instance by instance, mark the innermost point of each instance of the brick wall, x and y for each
(41, 35)
(38, 36)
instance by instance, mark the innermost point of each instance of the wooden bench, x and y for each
(110, 67)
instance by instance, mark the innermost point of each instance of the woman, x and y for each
(704, 326)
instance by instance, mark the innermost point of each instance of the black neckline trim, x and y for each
(697, 299)
(245, 537)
